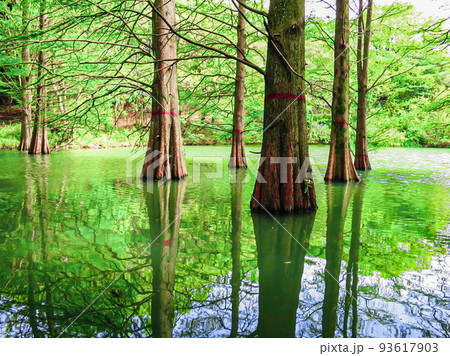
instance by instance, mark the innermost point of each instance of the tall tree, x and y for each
(165, 156)
(283, 187)
(39, 140)
(25, 132)
(361, 153)
(340, 165)
(237, 158)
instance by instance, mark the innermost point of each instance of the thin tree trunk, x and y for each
(39, 141)
(237, 158)
(361, 153)
(338, 200)
(285, 186)
(165, 157)
(340, 165)
(25, 131)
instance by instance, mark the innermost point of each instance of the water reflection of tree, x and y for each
(281, 256)
(351, 285)
(164, 206)
(339, 197)
(236, 230)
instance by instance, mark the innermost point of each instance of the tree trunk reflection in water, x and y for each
(351, 287)
(164, 206)
(236, 230)
(280, 261)
(338, 199)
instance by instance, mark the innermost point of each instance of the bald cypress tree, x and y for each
(340, 165)
(283, 187)
(165, 156)
(237, 158)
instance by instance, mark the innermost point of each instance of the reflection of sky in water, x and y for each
(414, 304)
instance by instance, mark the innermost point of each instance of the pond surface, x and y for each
(86, 250)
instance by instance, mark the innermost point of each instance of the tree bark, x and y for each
(237, 159)
(165, 157)
(281, 258)
(338, 200)
(361, 153)
(39, 141)
(287, 188)
(340, 165)
(25, 131)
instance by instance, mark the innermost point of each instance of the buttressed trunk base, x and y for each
(285, 187)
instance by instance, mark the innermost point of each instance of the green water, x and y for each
(86, 250)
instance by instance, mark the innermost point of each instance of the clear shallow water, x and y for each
(189, 258)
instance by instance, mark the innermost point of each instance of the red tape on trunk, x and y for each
(238, 131)
(285, 96)
(164, 113)
(361, 156)
(340, 123)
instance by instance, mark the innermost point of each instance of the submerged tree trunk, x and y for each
(338, 200)
(165, 157)
(25, 131)
(237, 158)
(281, 256)
(284, 182)
(39, 141)
(361, 153)
(164, 206)
(340, 164)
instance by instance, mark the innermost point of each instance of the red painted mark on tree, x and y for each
(339, 123)
(167, 242)
(273, 96)
(361, 156)
(164, 113)
(238, 131)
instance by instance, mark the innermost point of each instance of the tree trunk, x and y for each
(164, 206)
(165, 157)
(338, 200)
(25, 131)
(340, 164)
(237, 158)
(39, 141)
(361, 153)
(281, 258)
(285, 186)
